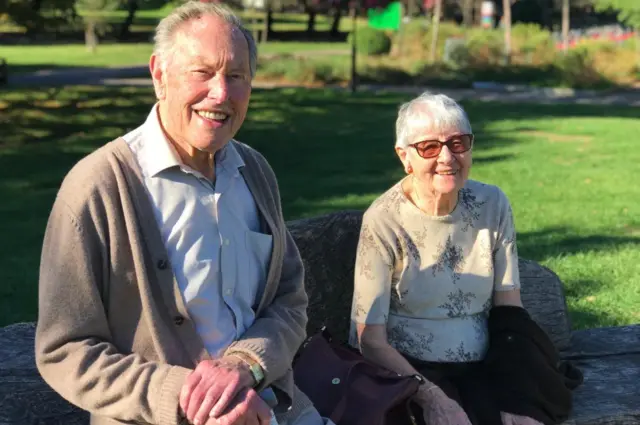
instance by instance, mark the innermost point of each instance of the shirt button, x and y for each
(226, 242)
(228, 292)
(162, 264)
(178, 320)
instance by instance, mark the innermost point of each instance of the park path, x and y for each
(138, 75)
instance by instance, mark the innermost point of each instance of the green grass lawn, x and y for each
(24, 59)
(569, 171)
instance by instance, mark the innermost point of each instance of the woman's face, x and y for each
(445, 173)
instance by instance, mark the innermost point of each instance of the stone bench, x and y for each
(608, 357)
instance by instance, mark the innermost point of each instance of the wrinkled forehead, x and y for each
(423, 124)
(211, 36)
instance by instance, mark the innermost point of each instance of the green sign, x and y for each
(386, 18)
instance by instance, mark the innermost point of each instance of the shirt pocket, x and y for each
(259, 246)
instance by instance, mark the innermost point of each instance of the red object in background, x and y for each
(609, 36)
(428, 4)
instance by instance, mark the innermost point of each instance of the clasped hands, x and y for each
(220, 392)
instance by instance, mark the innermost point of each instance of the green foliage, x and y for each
(302, 70)
(628, 10)
(371, 42)
(95, 7)
(49, 16)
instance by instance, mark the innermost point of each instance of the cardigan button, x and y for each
(162, 264)
(178, 320)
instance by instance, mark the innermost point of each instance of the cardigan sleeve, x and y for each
(73, 348)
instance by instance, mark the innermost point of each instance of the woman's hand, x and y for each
(511, 419)
(440, 409)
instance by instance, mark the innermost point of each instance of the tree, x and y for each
(132, 8)
(628, 10)
(565, 25)
(437, 11)
(506, 22)
(628, 13)
(93, 15)
(38, 15)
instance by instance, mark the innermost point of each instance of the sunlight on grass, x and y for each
(569, 173)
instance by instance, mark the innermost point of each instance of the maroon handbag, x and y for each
(349, 389)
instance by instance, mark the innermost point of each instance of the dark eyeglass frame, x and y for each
(448, 143)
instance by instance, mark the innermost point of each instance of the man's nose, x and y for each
(218, 88)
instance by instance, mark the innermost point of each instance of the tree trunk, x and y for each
(90, 36)
(254, 24)
(467, 13)
(268, 21)
(565, 25)
(435, 26)
(132, 7)
(337, 15)
(477, 15)
(354, 53)
(311, 22)
(506, 22)
(411, 8)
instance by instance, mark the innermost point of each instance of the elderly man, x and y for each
(170, 288)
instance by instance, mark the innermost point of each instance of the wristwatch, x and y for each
(254, 366)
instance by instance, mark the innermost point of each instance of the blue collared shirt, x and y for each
(211, 233)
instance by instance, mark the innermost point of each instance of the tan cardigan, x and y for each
(113, 335)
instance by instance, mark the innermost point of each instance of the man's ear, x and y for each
(157, 75)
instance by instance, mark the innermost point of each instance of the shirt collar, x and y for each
(161, 155)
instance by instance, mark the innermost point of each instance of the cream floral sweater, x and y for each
(430, 279)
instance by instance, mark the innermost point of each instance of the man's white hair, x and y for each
(434, 113)
(166, 30)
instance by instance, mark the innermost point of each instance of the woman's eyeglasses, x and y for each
(456, 144)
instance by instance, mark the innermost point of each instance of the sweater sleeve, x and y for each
(73, 351)
(505, 253)
(373, 273)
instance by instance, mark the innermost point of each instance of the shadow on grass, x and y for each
(584, 317)
(559, 241)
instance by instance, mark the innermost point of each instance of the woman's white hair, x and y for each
(194, 9)
(430, 112)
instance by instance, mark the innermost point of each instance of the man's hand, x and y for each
(439, 409)
(211, 387)
(511, 419)
(247, 409)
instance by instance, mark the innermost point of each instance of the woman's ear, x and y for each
(404, 158)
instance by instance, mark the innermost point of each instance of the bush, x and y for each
(302, 70)
(578, 69)
(372, 42)
(532, 44)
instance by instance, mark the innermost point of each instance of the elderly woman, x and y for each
(437, 251)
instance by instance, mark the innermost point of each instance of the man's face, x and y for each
(204, 84)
